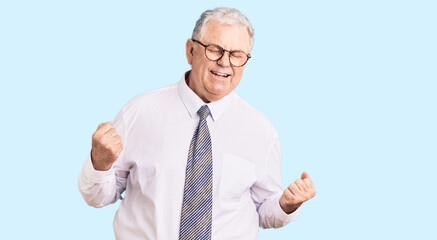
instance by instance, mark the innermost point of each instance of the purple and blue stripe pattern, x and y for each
(196, 217)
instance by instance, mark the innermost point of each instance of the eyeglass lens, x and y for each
(215, 52)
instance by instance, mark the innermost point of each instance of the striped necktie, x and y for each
(196, 217)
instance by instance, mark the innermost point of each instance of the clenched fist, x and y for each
(297, 193)
(106, 147)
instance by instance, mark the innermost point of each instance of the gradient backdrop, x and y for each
(350, 86)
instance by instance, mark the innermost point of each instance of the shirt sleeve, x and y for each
(100, 188)
(266, 193)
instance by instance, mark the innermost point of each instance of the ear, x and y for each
(189, 50)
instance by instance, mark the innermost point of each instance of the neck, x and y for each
(190, 85)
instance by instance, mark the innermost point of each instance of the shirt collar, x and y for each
(193, 102)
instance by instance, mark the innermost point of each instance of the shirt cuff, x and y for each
(284, 217)
(96, 176)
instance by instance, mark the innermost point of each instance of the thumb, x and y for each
(304, 175)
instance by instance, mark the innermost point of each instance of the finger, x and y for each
(104, 127)
(99, 133)
(288, 194)
(301, 185)
(112, 132)
(304, 175)
(311, 190)
(110, 138)
(294, 189)
(308, 182)
(118, 149)
(117, 138)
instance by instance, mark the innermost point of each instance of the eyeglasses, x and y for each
(214, 53)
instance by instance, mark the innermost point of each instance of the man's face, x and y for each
(206, 78)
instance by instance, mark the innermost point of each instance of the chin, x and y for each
(218, 90)
(220, 86)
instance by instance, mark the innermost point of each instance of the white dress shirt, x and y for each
(156, 129)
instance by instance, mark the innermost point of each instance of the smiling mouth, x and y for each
(220, 75)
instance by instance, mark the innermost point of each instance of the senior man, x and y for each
(223, 181)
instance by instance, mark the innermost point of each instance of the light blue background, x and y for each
(350, 86)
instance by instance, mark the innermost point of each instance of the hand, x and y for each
(106, 147)
(297, 193)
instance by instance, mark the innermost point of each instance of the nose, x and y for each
(225, 60)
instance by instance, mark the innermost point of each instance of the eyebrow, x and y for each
(237, 50)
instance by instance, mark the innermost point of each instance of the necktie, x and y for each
(196, 217)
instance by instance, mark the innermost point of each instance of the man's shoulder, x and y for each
(247, 109)
(156, 94)
(152, 98)
(248, 112)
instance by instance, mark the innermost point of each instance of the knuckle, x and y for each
(114, 150)
(107, 144)
(100, 140)
(309, 182)
(95, 137)
(288, 195)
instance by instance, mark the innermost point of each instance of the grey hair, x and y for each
(224, 15)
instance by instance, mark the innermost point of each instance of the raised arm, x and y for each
(104, 175)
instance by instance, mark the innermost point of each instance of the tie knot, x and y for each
(203, 112)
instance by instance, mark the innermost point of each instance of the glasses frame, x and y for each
(223, 52)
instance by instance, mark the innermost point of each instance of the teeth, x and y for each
(221, 74)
